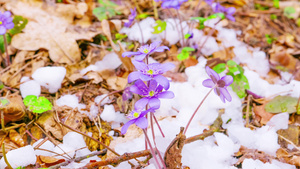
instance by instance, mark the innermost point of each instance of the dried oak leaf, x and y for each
(50, 32)
(47, 161)
(15, 110)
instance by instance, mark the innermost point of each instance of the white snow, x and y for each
(100, 97)
(257, 164)
(29, 87)
(50, 77)
(110, 115)
(19, 157)
(46, 145)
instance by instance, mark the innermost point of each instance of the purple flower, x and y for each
(217, 7)
(137, 118)
(172, 3)
(127, 94)
(151, 94)
(218, 84)
(151, 71)
(145, 50)
(209, 2)
(229, 12)
(5, 22)
(131, 18)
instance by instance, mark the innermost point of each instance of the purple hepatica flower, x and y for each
(218, 84)
(5, 22)
(151, 94)
(229, 12)
(145, 50)
(137, 118)
(172, 3)
(131, 18)
(151, 71)
(209, 2)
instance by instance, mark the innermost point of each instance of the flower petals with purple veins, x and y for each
(163, 81)
(166, 67)
(226, 94)
(136, 90)
(142, 122)
(161, 49)
(211, 72)
(139, 65)
(154, 103)
(208, 83)
(126, 126)
(166, 95)
(140, 57)
(152, 85)
(2, 30)
(227, 79)
(129, 54)
(141, 85)
(134, 76)
(141, 104)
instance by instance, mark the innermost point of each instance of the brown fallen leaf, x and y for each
(260, 113)
(15, 110)
(47, 161)
(15, 137)
(49, 32)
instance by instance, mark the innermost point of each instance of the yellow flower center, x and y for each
(136, 114)
(150, 71)
(151, 93)
(146, 50)
(0, 22)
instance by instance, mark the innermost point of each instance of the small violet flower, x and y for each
(217, 7)
(229, 13)
(5, 22)
(171, 3)
(151, 71)
(137, 118)
(131, 18)
(145, 50)
(218, 84)
(151, 94)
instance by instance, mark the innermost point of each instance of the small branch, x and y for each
(117, 160)
(6, 51)
(4, 156)
(78, 159)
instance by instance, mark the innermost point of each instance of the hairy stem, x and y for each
(162, 133)
(6, 51)
(151, 149)
(187, 126)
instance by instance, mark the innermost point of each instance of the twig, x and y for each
(6, 51)
(78, 159)
(290, 142)
(202, 136)
(247, 111)
(117, 160)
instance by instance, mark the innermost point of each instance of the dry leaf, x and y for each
(15, 110)
(15, 137)
(47, 161)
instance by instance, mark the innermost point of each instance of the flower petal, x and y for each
(212, 74)
(208, 83)
(140, 57)
(163, 81)
(166, 95)
(128, 54)
(9, 25)
(152, 85)
(142, 122)
(139, 65)
(141, 85)
(160, 49)
(154, 103)
(145, 77)
(222, 98)
(2, 30)
(126, 126)
(227, 79)
(135, 89)
(7, 14)
(166, 67)
(134, 76)
(226, 94)
(141, 104)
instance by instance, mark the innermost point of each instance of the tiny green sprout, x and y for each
(298, 22)
(288, 11)
(270, 39)
(186, 36)
(1, 85)
(119, 36)
(159, 27)
(273, 16)
(37, 105)
(143, 16)
(276, 3)
(185, 53)
(3, 102)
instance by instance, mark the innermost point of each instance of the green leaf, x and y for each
(240, 84)
(186, 36)
(100, 13)
(281, 104)
(143, 16)
(276, 3)
(288, 11)
(1, 85)
(159, 27)
(232, 66)
(8, 39)
(106, 10)
(3, 102)
(273, 16)
(37, 105)
(188, 49)
(120, 36)
(20, 24)
(185, 53)
(108, 4)
(216, 15)
(219, 68)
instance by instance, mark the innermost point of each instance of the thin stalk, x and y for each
(162, 133)
(209, 34)
(155, 9)
(197, 109)
(180, 22)
(152, 128)
(5, 158)
(151, 149)
(6, 51)
(138, 23)
(2, 121)
(160, 157)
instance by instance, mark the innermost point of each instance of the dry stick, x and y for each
(94, 140)
(209, 34)
(99, 104)
(247, 111)
(6, 51)
(197, 109)
(78, 159)
(155, 9)
(2, 120)
(289, 141)
(117, 160)
(4, 156)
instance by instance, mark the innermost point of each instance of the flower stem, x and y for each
(6, 51)
(5, 158)
(162, 133)
(197, 109)
(151, 149)
(180, 22)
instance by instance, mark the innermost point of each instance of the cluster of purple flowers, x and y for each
(218, 8)
(131, 17)
(6, 22)
(149, 83)
(171, 3)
